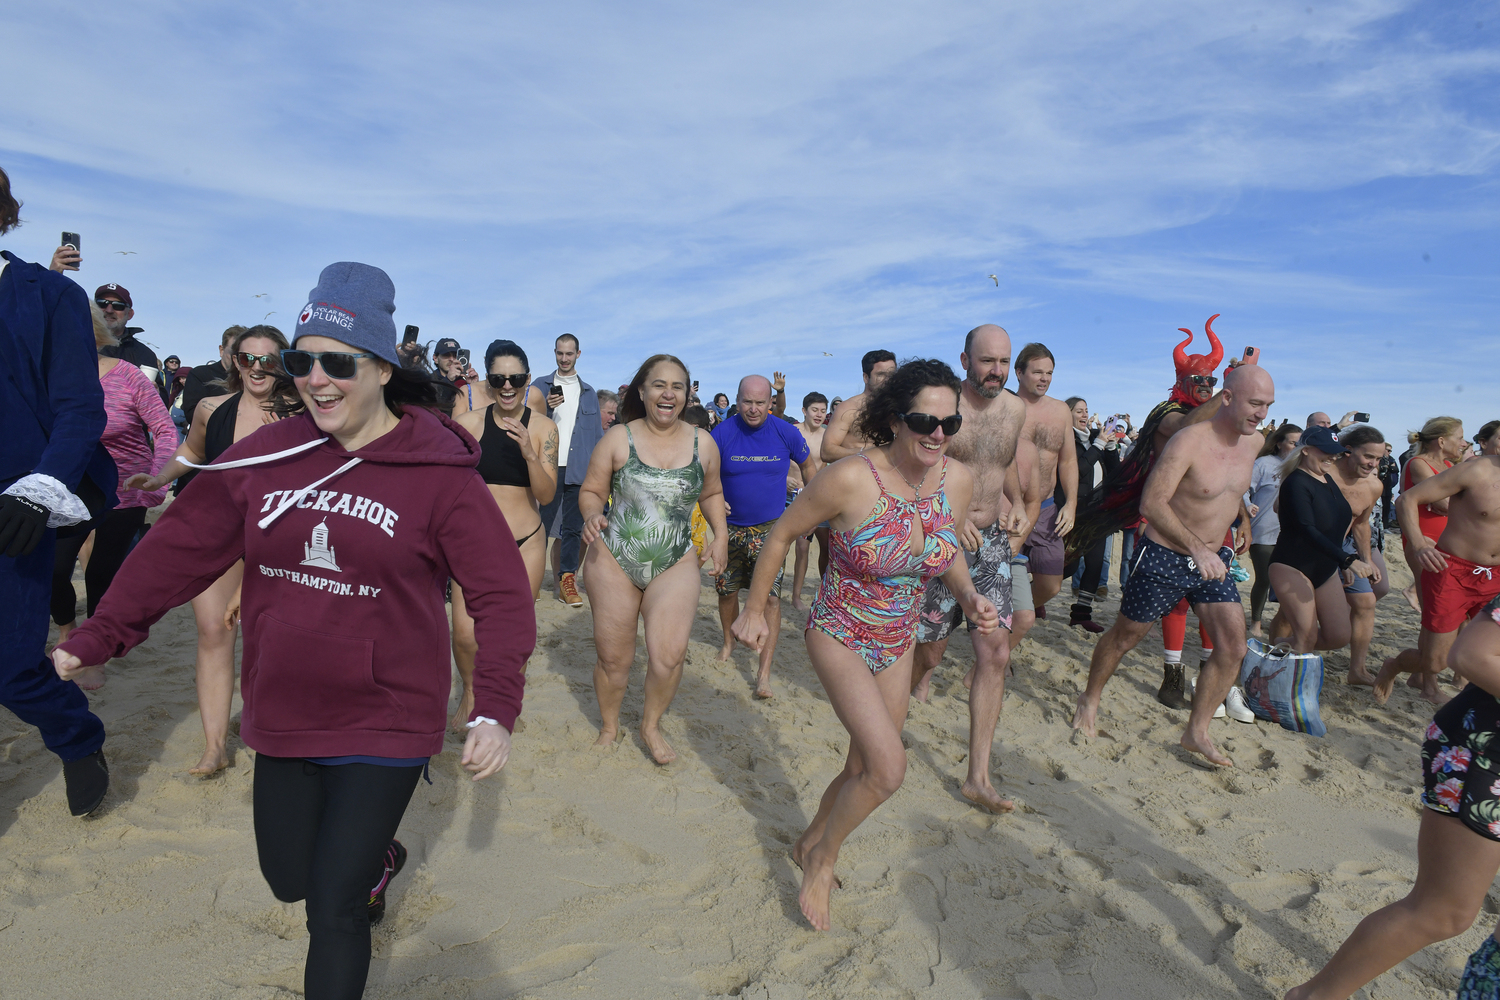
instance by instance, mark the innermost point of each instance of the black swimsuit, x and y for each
(1314, 520)
(500, 460)
(218, 435)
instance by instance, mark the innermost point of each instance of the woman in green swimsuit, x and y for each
(656, 467)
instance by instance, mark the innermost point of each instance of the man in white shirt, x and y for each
(574, 407)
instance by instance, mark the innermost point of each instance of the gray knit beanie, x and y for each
(353, 303)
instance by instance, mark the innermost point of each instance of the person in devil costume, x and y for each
(1116, 504)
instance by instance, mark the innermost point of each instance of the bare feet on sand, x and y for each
(1360, 678)
(661, 750)
(797, 604)
(817, 886)
(214, 760)
(460, 722)
(1384, 681)
(1206, 749)
(726, 649)
(923, 691)
(985, 797)
(1086, 717)
(1410, 593)
(90, 679)
(798, 850)
(607, 737)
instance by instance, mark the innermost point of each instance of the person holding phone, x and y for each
(574, 406)
(518, 462)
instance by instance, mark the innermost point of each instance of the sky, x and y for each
(785, 186)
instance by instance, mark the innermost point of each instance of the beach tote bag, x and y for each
(1282, 687)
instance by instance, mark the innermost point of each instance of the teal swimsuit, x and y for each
(651, 515)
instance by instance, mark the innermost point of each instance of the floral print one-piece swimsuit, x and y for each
(871, 597)
(651, 519)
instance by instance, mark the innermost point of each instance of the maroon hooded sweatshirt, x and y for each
(346, 643)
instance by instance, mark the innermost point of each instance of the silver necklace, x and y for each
(916, 487)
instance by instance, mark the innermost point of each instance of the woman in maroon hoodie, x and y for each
(353, 514)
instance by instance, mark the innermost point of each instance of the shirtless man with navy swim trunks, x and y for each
(1190, 499)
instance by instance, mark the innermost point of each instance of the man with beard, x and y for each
(986, 445)
(1191, 497)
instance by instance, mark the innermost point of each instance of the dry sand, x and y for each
(1127, 871)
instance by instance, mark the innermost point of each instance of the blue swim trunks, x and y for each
(1161, 578)
(1361, 584)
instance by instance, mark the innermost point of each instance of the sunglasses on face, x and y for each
(336, 364)
(1208, 380)
(246, 360)
(514, 381)
(926, 423)
(115, 304)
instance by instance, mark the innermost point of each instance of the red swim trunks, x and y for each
(1457, 594)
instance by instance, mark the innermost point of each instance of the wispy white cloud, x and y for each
(756, 185)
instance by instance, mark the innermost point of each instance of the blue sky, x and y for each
(752, 186)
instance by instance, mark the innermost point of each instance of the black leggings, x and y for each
(112, 538)
(321, 832)
(1260, 558)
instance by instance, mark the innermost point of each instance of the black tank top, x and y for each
(500, 461)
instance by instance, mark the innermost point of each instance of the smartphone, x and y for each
(1252, 356)
(1362, 418)
(463, 361)
(411, 335)
(71, 240)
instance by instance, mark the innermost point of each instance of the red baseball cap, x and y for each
(114, 291)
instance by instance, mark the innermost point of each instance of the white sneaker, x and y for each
(1193, 690)
(1238, 710)
(1219, 712)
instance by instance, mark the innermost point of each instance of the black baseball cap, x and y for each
(446, 346)
(1323, 439)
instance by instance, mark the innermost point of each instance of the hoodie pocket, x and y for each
(306, 680)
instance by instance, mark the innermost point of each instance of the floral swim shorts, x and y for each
(1461, 761)
(745, 544)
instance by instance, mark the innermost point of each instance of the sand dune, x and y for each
(1127, 871)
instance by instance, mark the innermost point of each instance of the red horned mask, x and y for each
(1196, 364)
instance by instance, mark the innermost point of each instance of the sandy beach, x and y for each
(1127, 871)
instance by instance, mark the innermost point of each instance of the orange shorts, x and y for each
(1457, 594)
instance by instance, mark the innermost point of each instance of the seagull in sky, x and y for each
(268, 315)
(996, 280)
(827, 355)
(262, 295)
(123, 253)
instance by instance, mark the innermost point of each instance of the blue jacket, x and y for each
(587, 431)
(51, 404)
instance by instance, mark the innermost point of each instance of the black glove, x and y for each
(22, 525)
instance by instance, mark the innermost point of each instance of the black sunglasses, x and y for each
(926, 423)
(1208, 380)
(336, 364)
(111, 304)
(267, 361)
(514, 381)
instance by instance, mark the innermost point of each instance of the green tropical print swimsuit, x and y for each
(651, 517)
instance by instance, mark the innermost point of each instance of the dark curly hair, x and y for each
(632, 407)
(10, 208)
(895, 396)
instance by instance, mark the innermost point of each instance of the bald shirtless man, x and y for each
(986, 445)
(1460, 571)
(1191, 497)
(1049, 426)
(839, 438)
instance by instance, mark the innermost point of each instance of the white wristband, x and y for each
(480, 719)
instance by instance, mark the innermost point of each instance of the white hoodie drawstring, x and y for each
(293, 496)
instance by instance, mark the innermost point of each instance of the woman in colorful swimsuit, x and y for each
(1458, 843)
(518, 462)
(656, 467)
(891, 513)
